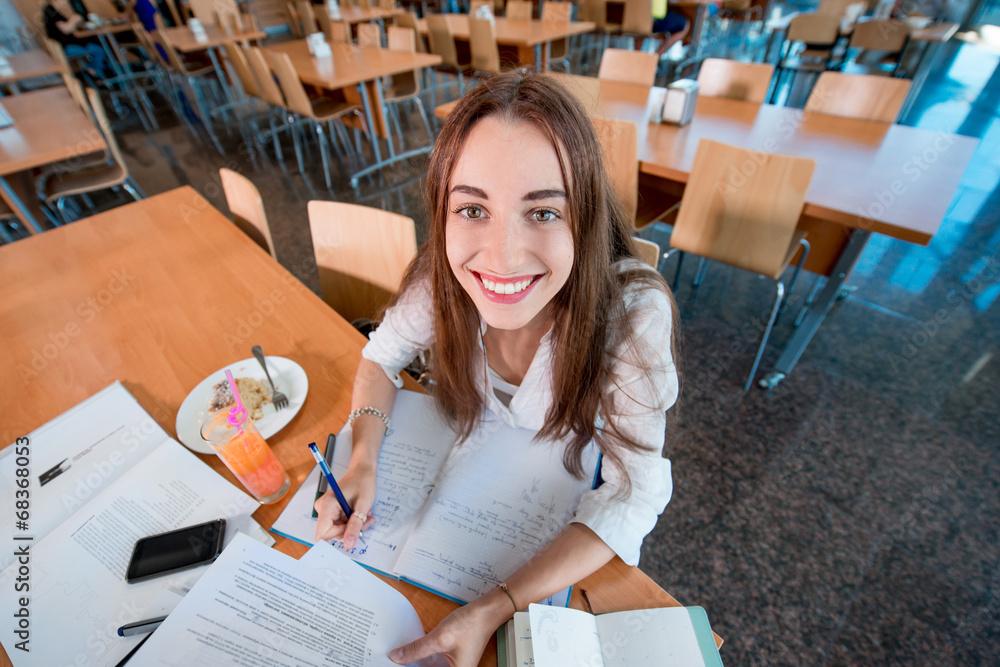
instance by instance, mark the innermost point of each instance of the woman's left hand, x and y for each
(461, 636)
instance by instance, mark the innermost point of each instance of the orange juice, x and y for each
(247, 456)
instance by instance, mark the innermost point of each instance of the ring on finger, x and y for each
(359, 515)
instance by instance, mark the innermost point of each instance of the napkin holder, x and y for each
(679, 102)
(317, 45)
(5, 68)
(197, 30)
(333, 9)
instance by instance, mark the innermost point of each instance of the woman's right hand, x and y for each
(358, 486)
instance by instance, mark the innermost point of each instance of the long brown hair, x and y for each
(591, 322)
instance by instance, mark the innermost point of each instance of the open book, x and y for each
(100, 476)
(553, 637)
(454, 520)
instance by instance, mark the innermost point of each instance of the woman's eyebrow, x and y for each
(535, 195)
(470, 190)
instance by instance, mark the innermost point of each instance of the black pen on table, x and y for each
(331, 441)
(136, 628)
(344, 506)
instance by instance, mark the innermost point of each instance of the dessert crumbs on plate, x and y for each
(253, 392)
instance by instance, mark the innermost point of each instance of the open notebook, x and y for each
(454, 520)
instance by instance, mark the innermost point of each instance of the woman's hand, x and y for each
(358, 486)
(461, 637)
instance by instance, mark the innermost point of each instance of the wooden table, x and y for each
(182, 37)
(30, 64)
(351, 15)
(870, 176)
(358, 68)
(523, 36)
(48, 127)
(190, 278)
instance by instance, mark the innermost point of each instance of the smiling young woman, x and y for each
(529, 292)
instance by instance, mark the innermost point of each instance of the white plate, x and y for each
(289, 379)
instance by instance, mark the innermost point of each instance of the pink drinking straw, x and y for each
(238, 414)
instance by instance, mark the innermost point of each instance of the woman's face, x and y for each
(508, 234)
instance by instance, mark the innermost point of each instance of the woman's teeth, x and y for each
(506, 288)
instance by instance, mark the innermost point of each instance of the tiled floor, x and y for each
(850, 515)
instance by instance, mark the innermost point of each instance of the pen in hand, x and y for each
(336, 487)
(331, 442)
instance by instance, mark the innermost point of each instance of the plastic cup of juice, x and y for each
(247, 456)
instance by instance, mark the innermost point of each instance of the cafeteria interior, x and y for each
(848, 515)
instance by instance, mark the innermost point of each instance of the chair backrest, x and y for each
(307, 16)
(247, 208)
(628, 66)
(267, 89)
(340, 32)
(442, 42)
(835, 8)
(76, 91)
(404, 39)
(175, 13)
(597, 11)
(149, 45)
(293, 19)
(813, 29)
(369, 35)
(734, 80)
(888, 35)
(483, 44)
(229, 22)
(174, 58)
(103, 8)
(291, 86)
(519, 10)
(557, 11)
(324, 22)
(649, 252)
(619, 145)
(409, 20)
(361, 253)
(866, 96)
(105, 126)
(638, 17)
(741, 216)
(205, 10)
(238, 60)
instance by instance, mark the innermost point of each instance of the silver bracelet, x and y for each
(370, 410)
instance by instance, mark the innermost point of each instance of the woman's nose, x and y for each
(506, 245)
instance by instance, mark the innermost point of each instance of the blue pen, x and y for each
(336, 487)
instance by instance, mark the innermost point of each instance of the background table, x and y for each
(192, 282)
(48, 127)
(30, 64)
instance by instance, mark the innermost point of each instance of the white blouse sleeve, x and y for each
(406, 330)
(645, 387)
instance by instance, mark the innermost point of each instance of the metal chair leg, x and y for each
(779, 297)
(795, 276)
(677, 275)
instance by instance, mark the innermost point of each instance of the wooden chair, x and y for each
(558, 50)
(734, 80)
(247, 208)
(865, 96)
(483, 44)
(82, 181)
(519, 10)
(279, 116)
(442, 43)
(628, 66)
(405, 87)
(361, 253)
(649, 251)
(294, 22)
(745, 220)
(834, 8)
(637, 19)
(817, 34)
(409, 20)
(369, 35)
(307, 16)
(619, 145)
(336, 32)
(315, 112)
(880, 43)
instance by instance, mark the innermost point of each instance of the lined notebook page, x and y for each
(499, 500)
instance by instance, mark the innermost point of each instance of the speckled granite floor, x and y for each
(847, 517)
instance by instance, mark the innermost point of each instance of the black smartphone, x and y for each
(176, 550)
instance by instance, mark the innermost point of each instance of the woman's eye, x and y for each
(471, 211)
(543, 215)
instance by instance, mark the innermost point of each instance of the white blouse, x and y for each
(645, 386)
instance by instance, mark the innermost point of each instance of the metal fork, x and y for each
(280, 400)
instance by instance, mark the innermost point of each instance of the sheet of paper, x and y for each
(409, 462)
(257, 607)
(501, 497)
(75, 456)
(566, 638)
(666, 636)
(77, 582)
